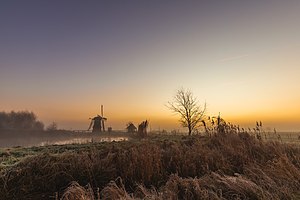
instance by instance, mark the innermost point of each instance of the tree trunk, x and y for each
(190, 130)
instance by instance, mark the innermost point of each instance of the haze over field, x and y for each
(63, 59)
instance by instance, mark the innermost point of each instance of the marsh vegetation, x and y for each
(222, 166)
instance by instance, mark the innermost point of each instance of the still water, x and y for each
(83, 140)
(44, 140)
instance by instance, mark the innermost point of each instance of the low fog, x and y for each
(23, 128)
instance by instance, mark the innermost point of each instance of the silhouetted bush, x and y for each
(52, 127)
(22, 120)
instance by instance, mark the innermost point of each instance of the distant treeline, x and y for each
(22, 120)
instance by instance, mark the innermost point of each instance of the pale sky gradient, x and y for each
(63, 59)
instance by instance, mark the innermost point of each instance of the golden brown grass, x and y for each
(228, 166)
(75, 192)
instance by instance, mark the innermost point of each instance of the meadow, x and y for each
(232, 165)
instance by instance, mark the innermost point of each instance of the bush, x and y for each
(22, 120)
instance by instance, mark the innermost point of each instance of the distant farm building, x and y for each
(131, 128)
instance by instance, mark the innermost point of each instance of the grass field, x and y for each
(227, 166)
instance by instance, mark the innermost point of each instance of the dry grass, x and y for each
(75, 192)
(231, 166)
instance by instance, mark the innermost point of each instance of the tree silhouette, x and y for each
(186, 105)
(22, 120)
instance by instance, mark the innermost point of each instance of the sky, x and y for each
(63, 59)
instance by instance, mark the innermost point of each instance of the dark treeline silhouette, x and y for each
(22, 120)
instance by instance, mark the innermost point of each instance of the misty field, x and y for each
(223, 166)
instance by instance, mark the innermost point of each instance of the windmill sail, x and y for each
(91, 124)
(102, 118)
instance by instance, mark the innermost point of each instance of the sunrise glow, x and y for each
(62, 60)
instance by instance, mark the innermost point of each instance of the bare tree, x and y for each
(186, 105)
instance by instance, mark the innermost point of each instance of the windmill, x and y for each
(98, 122)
